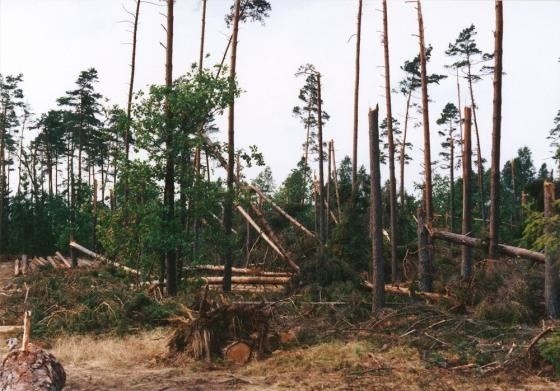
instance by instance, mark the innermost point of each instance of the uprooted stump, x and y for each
(231, 331)
(32, 370)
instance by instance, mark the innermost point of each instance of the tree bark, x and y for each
(356, 105)
(425, 267)
(552, 258)
(395, 275)
(228, 205)
(322, 219)
(496, 134)
(428, 203)
(376, 224)
(466, 252)
(129, 102)
(169, 190)
(202, 36)
(451, 177)
(403, 146)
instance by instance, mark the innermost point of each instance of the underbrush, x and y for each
(93, 301)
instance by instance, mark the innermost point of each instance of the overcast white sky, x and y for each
(51, 41)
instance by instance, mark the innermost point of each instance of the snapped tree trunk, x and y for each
(403, 146)
(395, 275)
(169, 189)
(376, 225)
(466, 252)
(356, 105)
(228, 205)
(480, 169)
(552, 258)
(496, 134)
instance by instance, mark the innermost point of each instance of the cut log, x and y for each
(292, 220)
(31, 370)
(238, 270)
(63, 259)
(238, 352)
(44, 262)
(55, 264)
(24, 264)
(102, 258)
(249, 280)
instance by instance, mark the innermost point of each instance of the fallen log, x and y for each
(292, 220)
(505, 249)
(63, 259)
(10, 329)
(102, 258)
(248, 280)
(403, 291)
(266, 238)
(17, 267)
(238, 270)
(238, 352)
(54, 264)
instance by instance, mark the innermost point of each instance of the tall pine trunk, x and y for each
(496, 134)
(228, 205)
(127, 135)
(551, 265)
(376, 224)
(451, 177)
(169, 190)
(322, 220)
(356, 105)
(466, 251)
(428, 203)
(403, 146)
(395, 276)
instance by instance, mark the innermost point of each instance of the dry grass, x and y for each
(111, 352)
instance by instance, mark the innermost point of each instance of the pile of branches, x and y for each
(234, 331)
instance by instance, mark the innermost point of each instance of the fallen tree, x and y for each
(505, 249)
(404, 291)
(103, 259)
(238, 270)
(248, 280)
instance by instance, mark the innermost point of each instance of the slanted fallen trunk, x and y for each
(102, 258)
(404, 291)
(63, 259)
(248, 280)
(238, 270)
(505, 249)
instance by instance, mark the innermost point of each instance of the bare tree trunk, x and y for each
(356, 106)
(322, 227)
(466, 252)
(169, 190)
(335, 176)
(403, 146)
(496, 134)
(459, 100)
(552, 258)
(425, 268)
(376, 224)
(395, 275)
(202, 36)
(428, 203)
(480, 169)
(451, 177)
(129, 102)
(329, 179)
(228, 205)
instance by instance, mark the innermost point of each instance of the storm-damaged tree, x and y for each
(312, 116)
(407, 86)
(450, 120)
(496, 134)
(470, 62)
(356, 101)
(255, 10)
(11, 101)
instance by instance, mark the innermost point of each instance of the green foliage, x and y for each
(549, 348)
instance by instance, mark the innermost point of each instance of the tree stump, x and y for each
(31, 370)
(238, 352)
